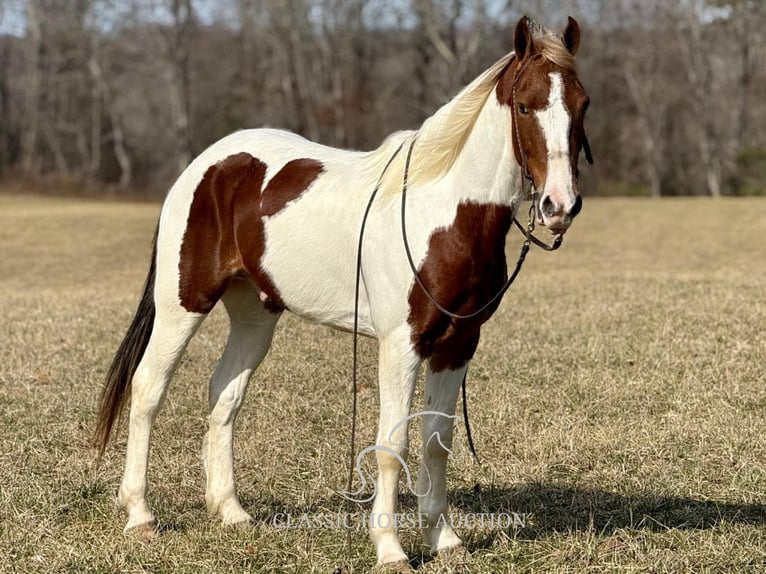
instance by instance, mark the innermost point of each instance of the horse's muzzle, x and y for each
(554, 217)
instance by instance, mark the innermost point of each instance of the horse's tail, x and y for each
(125, 362)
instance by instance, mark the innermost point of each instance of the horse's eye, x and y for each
(523, 109)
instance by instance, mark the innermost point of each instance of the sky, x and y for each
(12, 19)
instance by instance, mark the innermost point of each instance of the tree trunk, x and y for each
(5, 129)
(180, 83)
(300, 82)
(698, 70)
(118, 139)
(96, 99)
(30, 135)
(648, 121)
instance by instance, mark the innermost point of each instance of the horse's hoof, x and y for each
(455, 558)
(145, 532)
(231, 513)
(398, 567)
(245, 524)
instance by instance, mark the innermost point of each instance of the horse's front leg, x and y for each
(439, 401)
(398, 369)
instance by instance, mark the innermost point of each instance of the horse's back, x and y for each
(271, 146)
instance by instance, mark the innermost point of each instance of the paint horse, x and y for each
(266, 221)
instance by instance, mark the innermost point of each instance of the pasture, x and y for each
(617, 399)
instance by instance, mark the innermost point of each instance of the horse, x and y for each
(266, 221)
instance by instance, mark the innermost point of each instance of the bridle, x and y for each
(521, 158)
(526, 174)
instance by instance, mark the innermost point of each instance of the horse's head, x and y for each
(547, 103)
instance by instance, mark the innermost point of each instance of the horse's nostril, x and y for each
(548, 207)
(576, 207)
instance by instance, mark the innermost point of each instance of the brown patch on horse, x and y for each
(209, 254)
(530, 70)
(531, 94)
(576, 101)
(288, 184)
(532, 91)
(464, 268)
(225, 233)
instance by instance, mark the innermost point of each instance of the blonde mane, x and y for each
(442, 136)
(551, 46)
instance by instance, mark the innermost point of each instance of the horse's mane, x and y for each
(442, 136)
(550, 45)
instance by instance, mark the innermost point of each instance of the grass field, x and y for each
(618, 401)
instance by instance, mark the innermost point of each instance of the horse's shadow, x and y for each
(545, 509)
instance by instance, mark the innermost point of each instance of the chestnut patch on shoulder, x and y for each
(225, 235)
(464, 268)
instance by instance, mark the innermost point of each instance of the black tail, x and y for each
(125, 362)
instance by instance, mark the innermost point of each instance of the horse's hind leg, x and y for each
(252, 327)
(173, 328)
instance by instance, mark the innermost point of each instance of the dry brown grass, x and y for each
(618, 400)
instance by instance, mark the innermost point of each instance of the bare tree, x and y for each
(6, 128)
(104, 94)
(108, 91)
(697, 65)
(178, 43)
(296, 42)
(649, 91)
(34, 49)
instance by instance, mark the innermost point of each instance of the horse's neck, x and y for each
(470, 212)
(475, 202)
(486, 171)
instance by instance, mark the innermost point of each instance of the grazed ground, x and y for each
(618, 401)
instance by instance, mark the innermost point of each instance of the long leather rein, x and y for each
(529, 239)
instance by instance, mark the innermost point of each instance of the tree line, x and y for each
(122, 94)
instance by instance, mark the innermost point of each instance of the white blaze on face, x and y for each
(555, 122)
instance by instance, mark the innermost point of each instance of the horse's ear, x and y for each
(522, 39)
(572, 36)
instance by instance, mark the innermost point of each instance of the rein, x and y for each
(355, 337)
(529, 239)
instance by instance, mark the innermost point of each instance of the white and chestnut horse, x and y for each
(266, 221)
